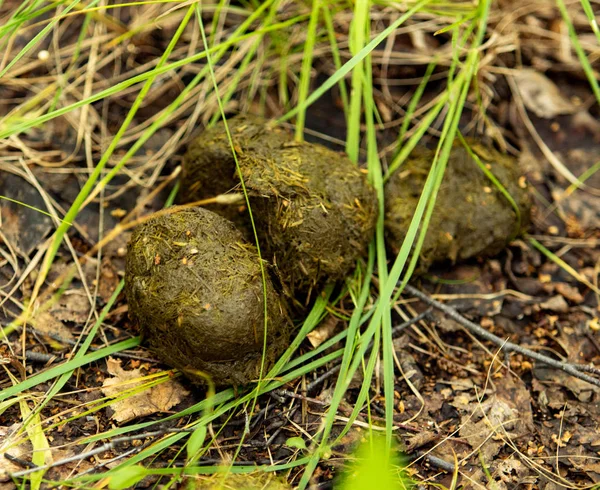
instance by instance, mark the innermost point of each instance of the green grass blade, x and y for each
(583, 59)
(359, 29)
(352, 62)
(496, 183)
(414, 101)
(589, 12)
(305, 73)
(67, 367)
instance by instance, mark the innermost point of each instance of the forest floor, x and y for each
(463, 405)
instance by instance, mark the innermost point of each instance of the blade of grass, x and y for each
(41, 454)
(352, 62)
(562, 264)
(337, 59)
(496, 183)
(414, 101)
(376, 174)
(68, 366)
(583, 59)
(305, 72)
(589, 12)
(359, 28)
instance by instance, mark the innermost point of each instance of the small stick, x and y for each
(572, 369)
(435, 461)
(63, 340)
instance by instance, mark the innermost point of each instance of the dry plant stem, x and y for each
(575, 370)
(435, 461)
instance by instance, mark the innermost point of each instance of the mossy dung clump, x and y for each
(194, 286)
(471, 216)
(315, 210)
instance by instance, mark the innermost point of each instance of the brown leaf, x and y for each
(556, 303)
(109, 280)
(72, 306)
(22, 451)
(583, 390)
(541, 96)
(159, 398)
(46, 323)
(24, 227)
(569, 292)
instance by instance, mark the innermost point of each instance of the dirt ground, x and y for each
(509, 421)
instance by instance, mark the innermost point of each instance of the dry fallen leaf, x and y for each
(323, 332)
(46, 323)
(72, 306)
(23, 227)
(555, 303)
(159, 398)
(541, 96)
(569, 292)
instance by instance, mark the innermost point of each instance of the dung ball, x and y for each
(471, 216)
(194, 286)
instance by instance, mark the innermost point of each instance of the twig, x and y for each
(435, 461)
(39, 357)
(21, 462)
(572, 369)
(66, 341)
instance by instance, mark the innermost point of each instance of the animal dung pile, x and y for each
(194, 286)
(471, 217)
(194, 281)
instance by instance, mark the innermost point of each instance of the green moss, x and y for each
(471, 216)
(314, 208)
(194, 286)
